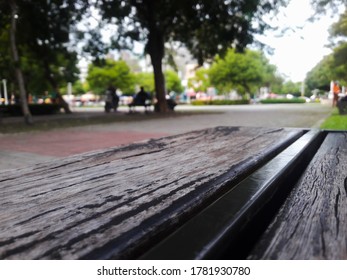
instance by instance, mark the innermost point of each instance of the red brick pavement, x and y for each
(65, 143)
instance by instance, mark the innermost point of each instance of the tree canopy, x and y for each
(201, 81)
(244, 72)
(324, 6)
(119, 74)
(333, 66)
(339, 31)
(173, 82)
(321, 75)
(40, 40)
(112, 73)
(205, 27)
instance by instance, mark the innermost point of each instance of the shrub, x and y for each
(220, 102)
(282, 101)
(35, 109)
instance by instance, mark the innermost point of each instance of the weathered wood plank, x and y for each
(232, 223)
(110, 203)
(312, 224)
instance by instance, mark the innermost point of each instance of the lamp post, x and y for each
(69, 92)
(303, 88)
(5, 91)
(0, 96)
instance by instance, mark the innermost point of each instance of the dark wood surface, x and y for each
(312, 224)
(229, 227)
(116, 202)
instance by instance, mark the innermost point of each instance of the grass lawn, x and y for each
(335, 121)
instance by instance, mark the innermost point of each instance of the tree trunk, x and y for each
(54, 85)
(159, 81)
(63, 103)
(155, 48)
(19, 75)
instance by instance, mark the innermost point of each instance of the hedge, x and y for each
(220, 102)
(282, 100)
(35, 109)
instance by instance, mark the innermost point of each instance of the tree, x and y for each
(115, 73)
(324, 6)
(338, 61)
(244, 72)
(205, 27)
(333, 66)
(6, 65)
(47, 26)
(173, 82)
(201, 81)
(290, 87)
(43, 34)
(321, 75)
(80, 88)
(146, 80)
(16, 62)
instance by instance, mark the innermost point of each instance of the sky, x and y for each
(302, 47)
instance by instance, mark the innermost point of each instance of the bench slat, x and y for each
(112, 203)
(312, 224)
(232, 223)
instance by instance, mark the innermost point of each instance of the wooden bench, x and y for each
(147, 104)
(312, 223)
(342, 105)
(226, 192)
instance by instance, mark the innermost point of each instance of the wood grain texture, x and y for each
(312, 224)
(109, 203)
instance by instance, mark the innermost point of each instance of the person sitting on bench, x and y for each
(140, 99)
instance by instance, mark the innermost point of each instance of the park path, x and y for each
(23, 149)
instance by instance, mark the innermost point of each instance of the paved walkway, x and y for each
(23, 149)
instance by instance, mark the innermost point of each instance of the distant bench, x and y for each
(226, 192)
(171, 104)
(146, 104)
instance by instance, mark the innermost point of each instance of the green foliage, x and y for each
(115, 73)
(245, 72)
(205, 27)
(173, 82)
(275, 83)
(201, 81)
(43, 37)
(290, 88)
(80, 88)
(321, 75)
(271, 78)
(333, 66)
(339, 62)
(6, 68)
(220, 102)
(339, 56)
(146, 80)
(282, 101)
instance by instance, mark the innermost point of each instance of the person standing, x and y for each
(112, 99)
(336, 91)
